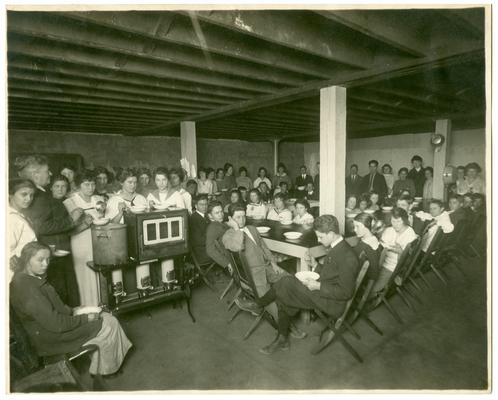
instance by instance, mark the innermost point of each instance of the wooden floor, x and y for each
(441, 346)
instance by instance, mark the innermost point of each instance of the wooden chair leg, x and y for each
(392, 310)
(438, 274)
(234, 315)
(424, 279)
(404, 298)
(230, 305)
(348, 326)
(413, 295)
(227, 289)
(254, 325)
(371, 324)
(348, 347)
(414, 283)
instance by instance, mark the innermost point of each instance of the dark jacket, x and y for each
(401, 185)
(302, 182)
(338, 277)
(61, 240)
(47, 320)
(373, 257)
(418, 179)
(353, 186)
(214, 247)
(379, 185)
(47, 219)
(197, 228)
(458, 215)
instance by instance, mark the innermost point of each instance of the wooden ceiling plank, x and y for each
(350, 80)
(378, 27)
(214, 40)
(62, 49)
(286, 28)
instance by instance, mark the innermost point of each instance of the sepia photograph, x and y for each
(238, 198)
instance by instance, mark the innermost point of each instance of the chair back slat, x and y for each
(242, 275)
(358, 284)
(411, 262)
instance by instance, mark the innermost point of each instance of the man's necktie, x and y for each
(370, 187)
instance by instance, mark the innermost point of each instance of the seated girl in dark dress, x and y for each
(365, 229)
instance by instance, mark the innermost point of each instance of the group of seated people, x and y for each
(50, 212)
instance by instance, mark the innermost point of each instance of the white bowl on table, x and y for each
(293, 200)
(351, 215)
(137, 209)
(418, 199)
(369, 211)
(293, 235)
(286, 222)
(386, 208)
(60, 253)
(101, 221)
(159, 206)
(263, 229)
(88, 310)
(307, 276)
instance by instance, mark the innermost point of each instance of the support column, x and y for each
(333, 152)
(189, 145)
(276, 143)
(441, 157)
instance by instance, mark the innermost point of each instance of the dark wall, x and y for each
(154, 151)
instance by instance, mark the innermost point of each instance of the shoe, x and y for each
(323, 342)
(280, 343)
(296, 333)
(248, 305)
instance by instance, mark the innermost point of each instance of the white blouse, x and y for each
(187, 199)
(112, 208)
(390, 238)
(284, 215)
(259, 180)
(175, 200)
(20, 232)
(306, 219)
(256, 211)
(206, 186)
(76, 201)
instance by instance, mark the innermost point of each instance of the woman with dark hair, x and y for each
(55, 328)
(473, 183)
(281, 176)
(403, 183)
(394, 240)
(235, 198)
(243, 179)
(280, 212)
(220, 180)
(365, 229)
(144, 185)
(81, 239)
(102, 181)
(21, 192)
(374, 201)
(364, 203)
(165, 195)
(59, 186)
(175, 177)
(428, 184)
(211, 175)
(262, 177)
(387, 171)
(69, 172)
(302, 215)
(256, 209)
(229, 178)
(204, 184)
(264, 192)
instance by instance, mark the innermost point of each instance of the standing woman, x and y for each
(175, 181)
(262, 177)
(102, 180)
(428, 185)
(204, 185)
(243, 179)
(281, 176)
(55, 328)
(81, 240)
(21, 192)
(69, 172)
(473, 183)
(164, 195)
(364, 228)
(126, 197)
(387, 171)
(230, 182)
(144, 186)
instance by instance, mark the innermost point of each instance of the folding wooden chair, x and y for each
(245, 283)
(339, 325)
(203, 270)
(390, 287)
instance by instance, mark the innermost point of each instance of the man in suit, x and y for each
(418, 225)
(215, 231)
(457, 212)
(198, 223)
(374, 181)
(417, 175)
(301, 181)
(329, 293)
(353, 182)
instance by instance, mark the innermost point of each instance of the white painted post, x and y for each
(333, 152)
(189, 144)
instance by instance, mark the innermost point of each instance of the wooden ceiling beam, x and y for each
(21, 42)
(66, 128)
(83, 34)
(287, 28)
(96, 73)
(350, 80)
(376, 25)
(174, 28)
(78, 90)
(84, 82)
